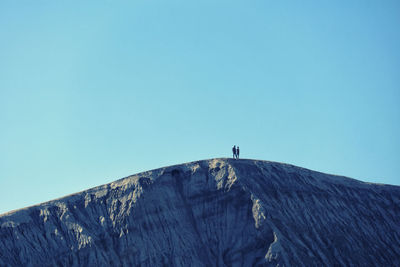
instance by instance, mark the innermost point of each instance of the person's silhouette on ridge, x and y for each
(234, 151)
(237, 152)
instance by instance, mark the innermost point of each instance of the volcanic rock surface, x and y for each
(219, 212)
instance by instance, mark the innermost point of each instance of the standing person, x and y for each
(234, 151)
(237, 152)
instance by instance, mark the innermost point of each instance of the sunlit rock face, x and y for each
(219, 212)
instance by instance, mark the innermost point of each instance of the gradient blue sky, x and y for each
(92, 91)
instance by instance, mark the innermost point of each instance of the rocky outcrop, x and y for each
(218, 212)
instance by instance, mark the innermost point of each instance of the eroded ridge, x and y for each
(218, 212)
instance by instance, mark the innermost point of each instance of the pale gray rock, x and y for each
(219, 212)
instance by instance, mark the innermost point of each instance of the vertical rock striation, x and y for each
(218, 212)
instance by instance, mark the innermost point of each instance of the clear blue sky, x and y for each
(92, 91)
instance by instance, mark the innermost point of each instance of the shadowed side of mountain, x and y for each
(218, 212)
(324, 219)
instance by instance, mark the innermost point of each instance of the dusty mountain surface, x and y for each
(219, 212)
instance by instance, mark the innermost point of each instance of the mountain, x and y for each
(218, 212)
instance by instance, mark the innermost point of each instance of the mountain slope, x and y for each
(218, 212)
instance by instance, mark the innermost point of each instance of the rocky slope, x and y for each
(218, 212)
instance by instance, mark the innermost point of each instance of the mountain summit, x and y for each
(218, 212)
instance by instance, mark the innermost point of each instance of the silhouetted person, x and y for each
(237, 152)
(234, 151)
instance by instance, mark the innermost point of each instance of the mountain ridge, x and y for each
(192, 162)
(220, 212)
